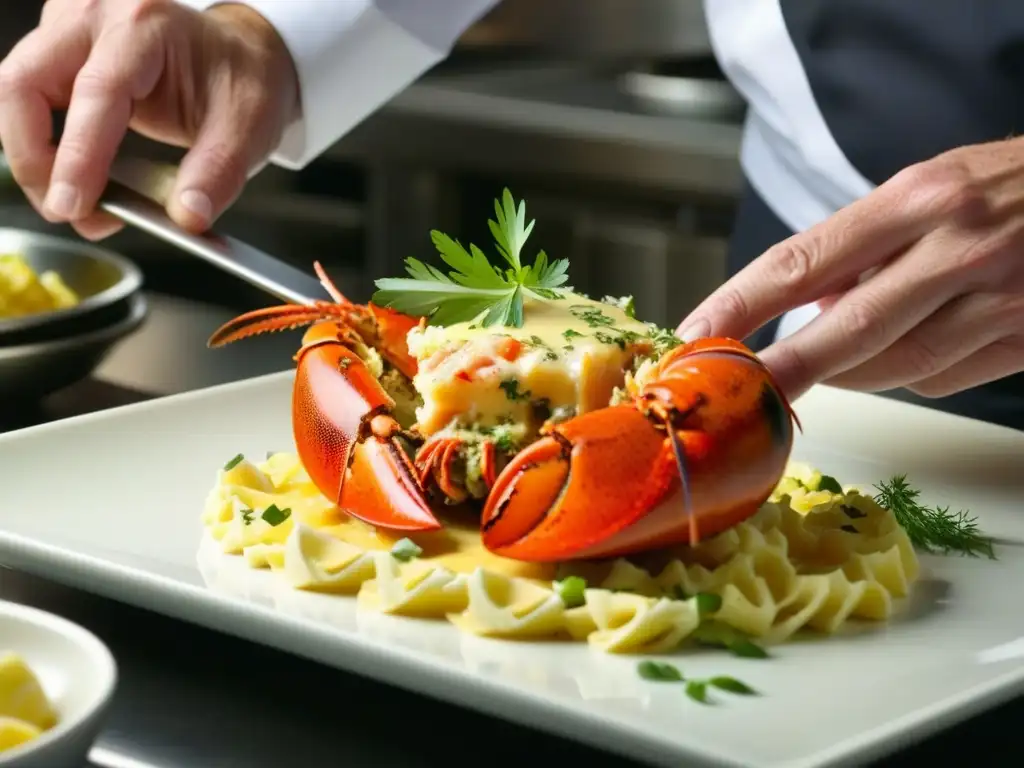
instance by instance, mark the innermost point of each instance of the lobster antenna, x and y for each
(328, 284)
(684, 478)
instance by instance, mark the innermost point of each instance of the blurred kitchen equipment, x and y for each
(594, 28)
(686, 87)
(29, 372)
(101, 279)
(138, 206)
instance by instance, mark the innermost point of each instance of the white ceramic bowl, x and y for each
(77, 672)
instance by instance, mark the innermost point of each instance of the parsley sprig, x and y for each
(477, 287)
(932, 528)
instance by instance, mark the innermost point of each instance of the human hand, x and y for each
(220, 82)
(942, 309)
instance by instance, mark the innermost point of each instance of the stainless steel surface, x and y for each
(594, 28)
(169, 354)
(100, 277)
(687, 96)
(244, 261)
(563, 123)
(32, 371)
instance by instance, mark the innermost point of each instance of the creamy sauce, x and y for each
(555, 322)
(457, 547)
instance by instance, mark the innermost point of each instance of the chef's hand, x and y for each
(221, 82)
(943, 312)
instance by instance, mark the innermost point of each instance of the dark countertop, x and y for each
(189, 697)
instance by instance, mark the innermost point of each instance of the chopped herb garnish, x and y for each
(663, 340)
(571, 590)
(476, 286)
(708, 603)
(274, 516)
(697, 690)
(537, 341)
(405, 550)
(732, 685)
(569, 333)
(511, 390)
(568, 347)
(830, 484)
(932, 528)
(238, 459)
(607, 338)
(247, 516)
(747, 649)
(503, 442)
(662, 673)
(551, 355)
(721, 635)
(592, 316)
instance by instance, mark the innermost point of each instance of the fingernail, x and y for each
(62, 200)
(697, 330)
(197, 203)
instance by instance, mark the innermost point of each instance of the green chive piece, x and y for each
(571, 590)
(708, 602)
(732, 685)
(747, 649)
(698, 691)
(405, 550)
(274, 516)
(830, 484)
(662, 673)
(238, 459)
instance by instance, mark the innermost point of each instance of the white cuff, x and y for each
(351, 58)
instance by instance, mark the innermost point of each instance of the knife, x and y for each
(131, 195)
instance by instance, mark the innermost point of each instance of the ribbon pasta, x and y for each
(810, 559)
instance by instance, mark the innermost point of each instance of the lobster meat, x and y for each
(700, 444)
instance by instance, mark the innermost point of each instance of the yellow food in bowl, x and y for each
(25, 711)
(23, 292)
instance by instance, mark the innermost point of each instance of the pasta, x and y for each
(811, 559)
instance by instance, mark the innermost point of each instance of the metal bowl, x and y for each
(30, 372)
(100, 278)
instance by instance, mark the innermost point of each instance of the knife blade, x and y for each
(123, 199)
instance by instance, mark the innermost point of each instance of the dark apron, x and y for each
(757, 229)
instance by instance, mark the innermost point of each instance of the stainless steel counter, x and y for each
(192, 698)
(552, 121)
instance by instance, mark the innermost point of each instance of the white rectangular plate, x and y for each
(110, 503)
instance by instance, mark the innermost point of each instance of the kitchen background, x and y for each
(609, 117)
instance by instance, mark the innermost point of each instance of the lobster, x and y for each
(698, 446)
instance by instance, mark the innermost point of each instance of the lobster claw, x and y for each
(574, 492)
(347, 442)
(697, 452)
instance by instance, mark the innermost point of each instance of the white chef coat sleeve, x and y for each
(352, 56)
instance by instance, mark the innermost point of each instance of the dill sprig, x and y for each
(932, 529)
